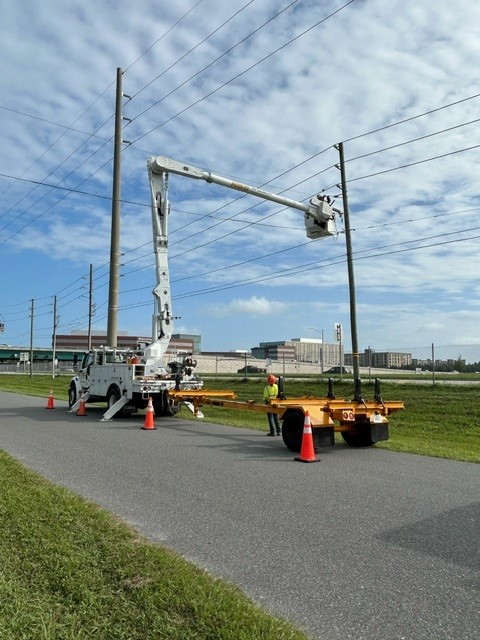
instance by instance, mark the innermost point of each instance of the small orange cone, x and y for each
(50, 403)
(307, 452)
(149, 423)
(81, 411)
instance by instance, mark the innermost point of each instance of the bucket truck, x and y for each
(126, 378)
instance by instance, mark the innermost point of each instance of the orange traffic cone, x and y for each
(149, 423)
(81, 411)
(307, 452)
(50, 403)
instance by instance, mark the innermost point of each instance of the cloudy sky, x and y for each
(258, 91)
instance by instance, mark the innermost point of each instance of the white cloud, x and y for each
(414, 236)
(254, 306)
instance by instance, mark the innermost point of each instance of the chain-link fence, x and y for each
(460, 358)
(431, 362)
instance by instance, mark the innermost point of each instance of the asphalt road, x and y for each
(364, 545)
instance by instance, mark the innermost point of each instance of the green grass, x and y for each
(71, 571)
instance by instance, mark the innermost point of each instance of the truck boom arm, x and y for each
(319, 214)
(162, 320)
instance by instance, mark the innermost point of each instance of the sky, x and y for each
(259, 92)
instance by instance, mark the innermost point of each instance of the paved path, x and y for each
(366, 544)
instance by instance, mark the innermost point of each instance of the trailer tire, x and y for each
(72, 395)
(366, 434)
(292, 430)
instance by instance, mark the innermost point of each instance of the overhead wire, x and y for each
(406, 120)
(240, 74)
(185, 55)
(210, 64)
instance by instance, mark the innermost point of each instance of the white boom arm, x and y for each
(319, 215)
(162, 320)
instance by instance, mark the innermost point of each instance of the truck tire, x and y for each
(113, 396)
(163, 405)
(72, 395)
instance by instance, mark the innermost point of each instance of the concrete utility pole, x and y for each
(351, 276)
(112, 323)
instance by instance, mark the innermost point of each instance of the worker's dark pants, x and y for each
(273, 422)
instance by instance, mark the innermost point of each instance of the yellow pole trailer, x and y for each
(362, 423)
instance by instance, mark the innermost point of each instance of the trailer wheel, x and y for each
(361, 437)
(366, 434)
(72, 395)
(292, 430)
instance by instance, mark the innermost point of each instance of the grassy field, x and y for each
(70, 571)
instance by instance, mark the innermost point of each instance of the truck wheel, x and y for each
(72, 395)
(163, 405)
(292, 430)
(112, 397)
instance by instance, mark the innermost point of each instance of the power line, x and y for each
(411, 118)
(238, 75)
(163, 36)
(184, 56)
(196, 74)
(409, 164)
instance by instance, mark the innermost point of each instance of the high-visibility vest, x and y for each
(270, 391)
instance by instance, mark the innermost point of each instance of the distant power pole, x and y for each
(32, 306)
(54, 334)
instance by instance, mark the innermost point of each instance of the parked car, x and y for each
(338, 370)
(250, 368)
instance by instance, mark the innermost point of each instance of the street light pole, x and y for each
(321, 348)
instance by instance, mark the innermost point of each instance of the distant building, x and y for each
(179, 343)
(300, 349)
(279, 350)
(79, 340)
(195, 341)
(381, 359)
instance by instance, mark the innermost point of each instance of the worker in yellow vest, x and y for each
(271, 391)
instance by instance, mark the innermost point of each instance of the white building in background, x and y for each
(300, 349)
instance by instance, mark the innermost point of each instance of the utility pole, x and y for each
(90, 308)
(112, 323)
(54, 334)
(351, 276)
(32, 306)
